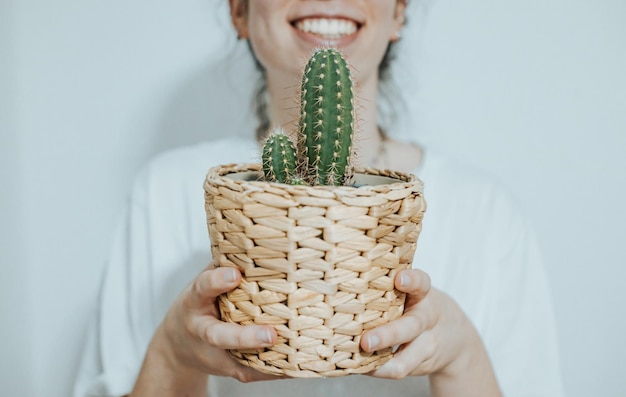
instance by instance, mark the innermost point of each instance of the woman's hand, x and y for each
(191, 342)
(437, 339)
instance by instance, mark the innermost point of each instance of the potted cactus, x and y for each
(318, 242)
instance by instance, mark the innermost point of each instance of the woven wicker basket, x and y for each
(318, 263)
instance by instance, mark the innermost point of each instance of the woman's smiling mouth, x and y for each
(327, 28)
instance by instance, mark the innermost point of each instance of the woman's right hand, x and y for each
(191, 342)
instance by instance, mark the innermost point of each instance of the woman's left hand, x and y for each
(435, 337)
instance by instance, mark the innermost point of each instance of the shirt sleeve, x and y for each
(122, 325)
(520, 334)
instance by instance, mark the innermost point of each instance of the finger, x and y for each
(229, 367)
(414, 282)
(415, 358)
(397, 332)
(233, 336)
(211, 283)
(246, 374)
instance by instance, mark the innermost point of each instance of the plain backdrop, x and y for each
(532, 91)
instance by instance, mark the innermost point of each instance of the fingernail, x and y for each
(372, 342)
(230, 275)
(264, 335)
(404, 280)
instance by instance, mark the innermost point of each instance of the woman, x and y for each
(490, 300)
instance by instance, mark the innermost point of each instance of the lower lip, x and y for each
(319, 41)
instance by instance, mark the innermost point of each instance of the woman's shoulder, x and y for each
(209, 153)
(470, 204)
(182, 168)
(452, 180)
(472, 224)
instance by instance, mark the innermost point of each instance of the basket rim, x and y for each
(219, 175)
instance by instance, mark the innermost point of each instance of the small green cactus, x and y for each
(326, 118)
(279, 158)
(324, 144)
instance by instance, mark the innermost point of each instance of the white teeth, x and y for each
(327, 27)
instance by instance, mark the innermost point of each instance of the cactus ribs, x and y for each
(324, 145)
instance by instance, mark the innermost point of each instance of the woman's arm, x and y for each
(161, 376)
(191, 342)
(437, 339)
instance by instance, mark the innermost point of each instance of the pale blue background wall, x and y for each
(532, 90)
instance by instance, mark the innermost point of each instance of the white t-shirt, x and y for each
(475, 245)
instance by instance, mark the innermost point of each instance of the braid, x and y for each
(260, 102)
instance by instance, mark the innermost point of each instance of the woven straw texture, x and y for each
(318, 264)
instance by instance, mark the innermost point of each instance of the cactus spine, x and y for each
(325, 131)
(279, 158)
(326, 118)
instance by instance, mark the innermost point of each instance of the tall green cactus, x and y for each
(279, 158)
(326, 118)
(324, 144)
